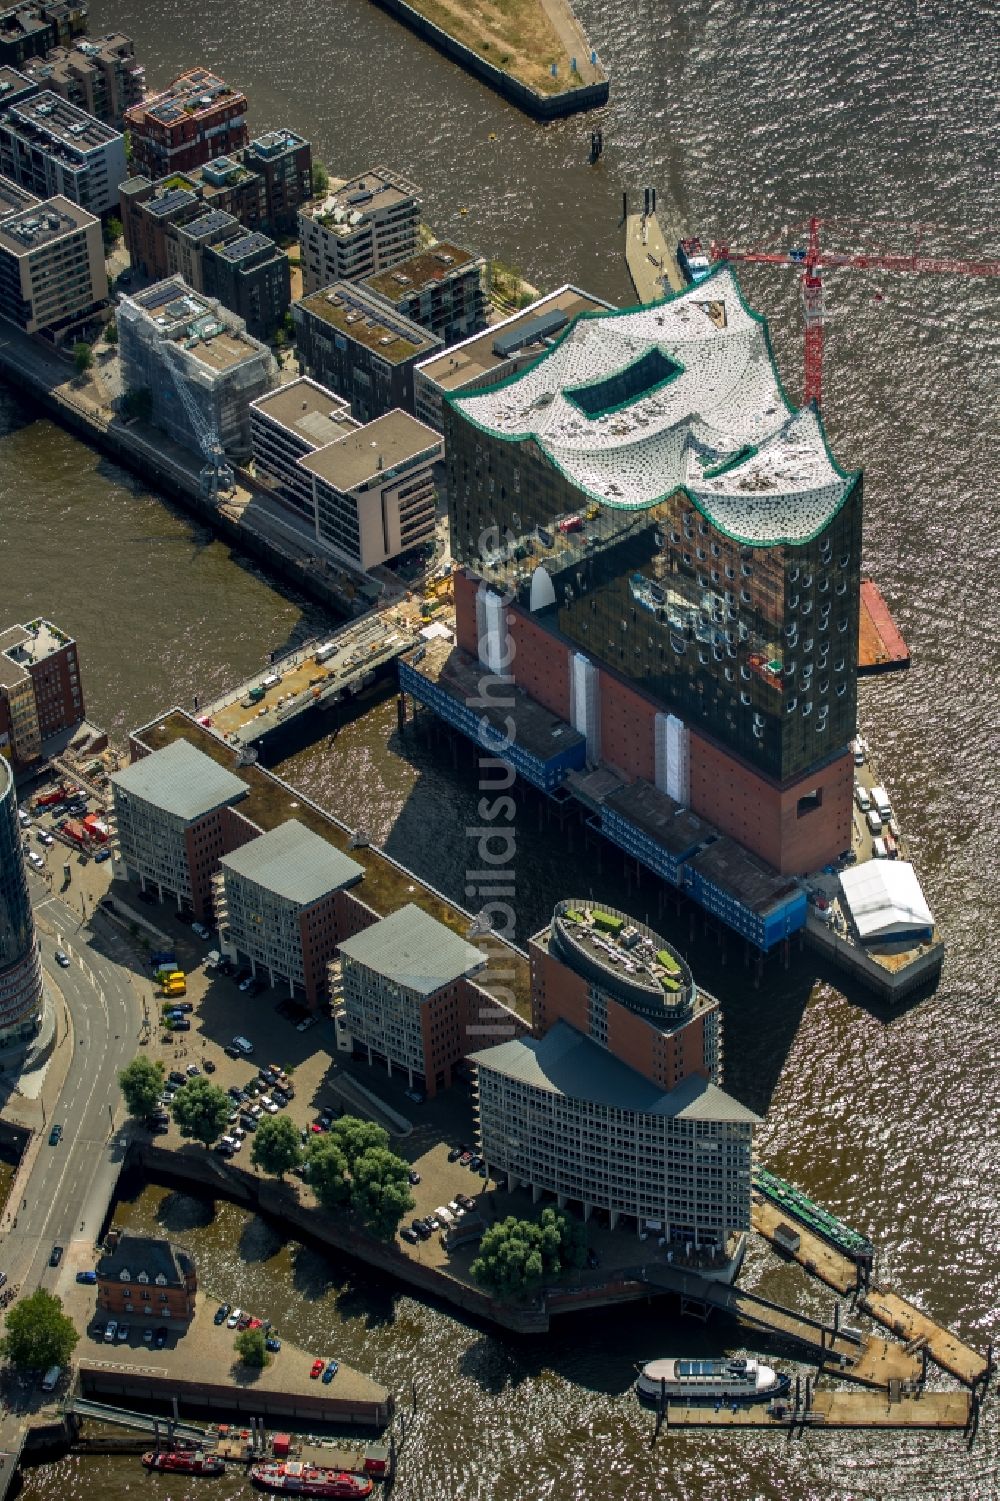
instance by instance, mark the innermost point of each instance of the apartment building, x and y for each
(172, 818)
(54, 149)
(410, 998)
(171, 338)
(283, 161)
(349, 340)
(567, 1117)
(197, 118)
(100, 75)
(373, 489)
(442, 288)
(14, 86)
(32, 28)
(486, 359)
(144, 1277)
(41, 692)
(250, 275)
(289, 424)
(275, 903)
(368, 224)
(52, 270)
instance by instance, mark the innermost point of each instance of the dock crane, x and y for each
(217, 472)
(813, 260)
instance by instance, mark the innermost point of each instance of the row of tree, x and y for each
(349, 1167)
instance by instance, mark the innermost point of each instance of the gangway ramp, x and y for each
(124, 1417)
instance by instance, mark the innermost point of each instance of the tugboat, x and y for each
(183, 1462)
(735, 1380)
(293, 1478)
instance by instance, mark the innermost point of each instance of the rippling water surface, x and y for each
(746, 117)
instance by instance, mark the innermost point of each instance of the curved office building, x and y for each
(20, 960)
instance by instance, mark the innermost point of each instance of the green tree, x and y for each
(83, 358)
(113, 231)
(288, 324)
(142, 1084)
(251, 1348)
(320, 179)
(354, 1137)
(111, 333)
(129, 149)
(201, 1110)
(328, 1172)
(276, 1145)
(38, 1333)
(515, 1255)
(380, 1191)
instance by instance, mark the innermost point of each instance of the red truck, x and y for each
(570, 524)
(75, 831)
(58, 795)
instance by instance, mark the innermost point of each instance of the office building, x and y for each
(486, 359)
(373, 489)
(682, 555)
(411, 1000)
(368, 224)
(21, 990)
(53, 149)
(98, 74)
(276, 905)
(441, 288)
(32, 28)
(173, 816)
(289, 424)
(14, 86)
(197, 118)
(349, 340)
(142, 1277)
(40, 689)
(251, 277)
(52, 271)
(283, 160)
(191, 354)
(569, 1119)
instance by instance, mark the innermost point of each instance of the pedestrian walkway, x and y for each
(944, 1347)
(652, 264)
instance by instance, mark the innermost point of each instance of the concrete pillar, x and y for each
(511, 1183)
(536, 1193)
(369, 1055)
(612, 1217)
(409, 1075)
(588, 1210)
(560, 1201)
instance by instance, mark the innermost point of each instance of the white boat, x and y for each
(734, 1380)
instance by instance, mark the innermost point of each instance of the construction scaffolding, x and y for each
(200, 367)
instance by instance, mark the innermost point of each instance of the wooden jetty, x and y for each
(651, 260)
(818, 1257)
(944, 1347)
(833, 1409)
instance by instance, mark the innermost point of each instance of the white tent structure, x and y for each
(885, 900)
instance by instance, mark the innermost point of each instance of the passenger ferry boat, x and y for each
(293, 1478)
(183, 1462)
(735, 1380)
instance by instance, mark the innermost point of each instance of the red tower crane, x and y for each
(814, 260)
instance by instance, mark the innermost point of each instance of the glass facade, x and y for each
(20, 964)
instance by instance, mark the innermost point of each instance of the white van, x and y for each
(110, 1332)
(880, 801)
(861, 797)
(51, 1378)
(445, 1215)
(879, 850)
(271, 681)
(874, 822)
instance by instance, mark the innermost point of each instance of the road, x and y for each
(66, 1195)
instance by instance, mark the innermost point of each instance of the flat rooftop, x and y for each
(13, 84)
(181, 781)
(275, 143)
(420, 270)
(475, 357)
(370, 192)
(14, 198)
(40, 225)
(309, 410)
(631, 953)
(294, 863)
(676, 828)
(414, 950)
(34, 642)
(386, 887)
(194, 93)
(184, 316)
(565, 1062)
(246, 245)
(537, 730)
(213, 222)
(48, 114)
(366, 319)
(374, 451)
(754, 884)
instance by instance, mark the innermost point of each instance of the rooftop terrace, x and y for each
(628, 958)
(365, 319)
(386, 886)
(276, 142)
(192, 94)
(426, 267)
(41, 640)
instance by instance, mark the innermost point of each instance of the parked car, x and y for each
(454, 1154)
(88, 1278)
(465, 1201)
(176, 1077)
(409, 1234)
(45, 838)
(272, 1343)
(414, 1177)
(62, 959)
(180, 1024)
(235, 1314)
(160, 1337)
(35, 861)
(147, 1336)
(304, 1026)
(246, 984)
(476, 1163)
(55, 1136)
(200, 929)
(317, 1368)
(243, 1045)
(192, 1070)
(465, 1159)
(121, 1334)
(110, 1332)
(208, 1066)
(415, 1095)
(223, 1149)
(101, 856)
(221, 1313)
(332, 1367)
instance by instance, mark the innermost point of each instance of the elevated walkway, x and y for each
(124, 1417)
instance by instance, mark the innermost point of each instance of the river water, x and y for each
(746, 116)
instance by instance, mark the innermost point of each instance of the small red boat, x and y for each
(293, 1478)
(183, 1462)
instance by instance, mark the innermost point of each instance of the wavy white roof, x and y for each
(717, 423)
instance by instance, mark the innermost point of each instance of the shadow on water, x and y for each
(178, 1212)
(259, 1240)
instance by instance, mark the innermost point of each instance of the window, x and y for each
(809, 803)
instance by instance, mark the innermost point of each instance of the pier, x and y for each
(651, 258)
(834, 1409)
(881, 648)
(817, 1256)
(921, 1332)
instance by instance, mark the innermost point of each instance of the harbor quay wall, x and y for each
(890, 985)
(540, 106)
